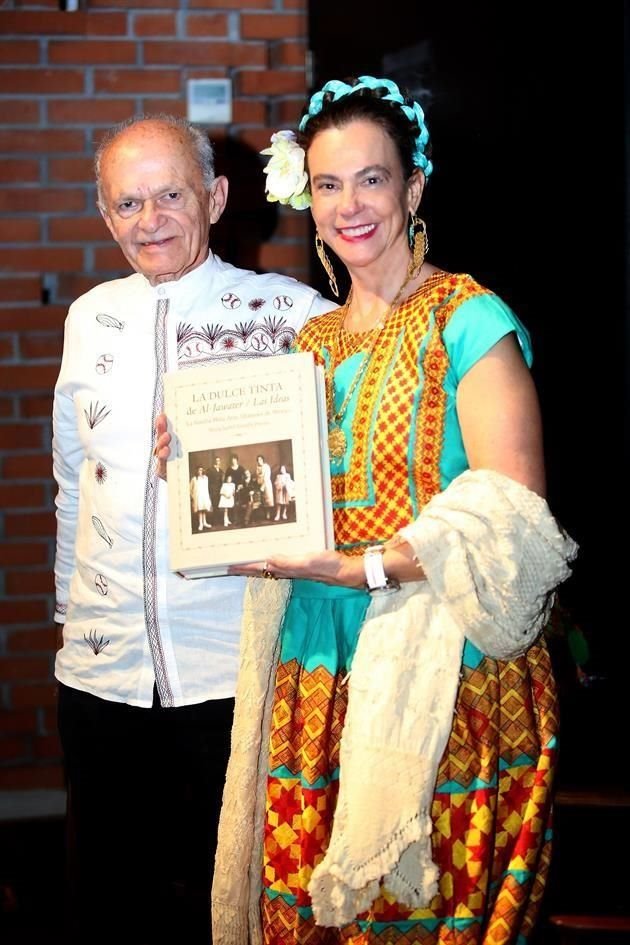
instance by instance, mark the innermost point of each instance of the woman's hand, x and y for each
(329, 567)
(162, 448)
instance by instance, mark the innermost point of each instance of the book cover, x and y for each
(249, 472)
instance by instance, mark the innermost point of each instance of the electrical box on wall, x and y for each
(209, 101)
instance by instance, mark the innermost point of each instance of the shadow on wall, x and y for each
(249, 219)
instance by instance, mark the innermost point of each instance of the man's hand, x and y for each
(162, 448)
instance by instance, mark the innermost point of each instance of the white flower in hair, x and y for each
(287, 181)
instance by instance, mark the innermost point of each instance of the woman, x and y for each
(263, 478)
(200, 498)
(400, 791)
(283, 487)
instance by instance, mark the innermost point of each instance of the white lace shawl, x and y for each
(492, 554)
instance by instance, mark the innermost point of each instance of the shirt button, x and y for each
(161, 291)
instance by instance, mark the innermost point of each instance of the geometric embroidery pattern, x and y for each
(491, 809)
(400, 411)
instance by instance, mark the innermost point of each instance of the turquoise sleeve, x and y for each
(478, 324)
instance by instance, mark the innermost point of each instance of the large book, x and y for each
(248, 476)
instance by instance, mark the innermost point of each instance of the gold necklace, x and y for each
(337, 441)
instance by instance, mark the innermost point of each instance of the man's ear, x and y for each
(103, 212)
(217, 198)
(415, 187)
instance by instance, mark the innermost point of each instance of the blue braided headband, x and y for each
(340, 89)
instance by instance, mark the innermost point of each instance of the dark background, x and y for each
(524, 103)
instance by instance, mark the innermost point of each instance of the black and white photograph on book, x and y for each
(245, 486)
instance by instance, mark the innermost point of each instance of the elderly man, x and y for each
(148, 664)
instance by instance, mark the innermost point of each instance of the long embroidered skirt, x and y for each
(491, 806)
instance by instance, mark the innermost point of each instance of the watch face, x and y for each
(386, 589)
(391, 587)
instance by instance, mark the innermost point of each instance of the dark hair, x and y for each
(369, 105)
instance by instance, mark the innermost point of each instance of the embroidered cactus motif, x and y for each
(96, 414)
(97, 644)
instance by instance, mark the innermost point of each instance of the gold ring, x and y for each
(266, 573)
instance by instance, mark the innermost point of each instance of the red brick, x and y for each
(173, 106)
(154, 24)
(109, 258)
(233, 4)
(33, 777)
(78, 229)
(89, 111)
(206, 24)
(272, 25)
(289, 111)
(41, 317)
(272, 82)
(293, 226)
(16, 169)
(20, 51)
(107, 24)
(73, 170)
(31, 641)
(22, 289)
(19, 230)
(138, 4)
(45, 23)
(24, 611)
(16, 111)
(138, 80)
(256, 138)
(288, 54)
(49, 718)
(32, 406)
(71, 287)
(99, 52)
(24, 668)
(57, 260)
(40, 525)
(279, 257)
(41, 346)
(38, 693)
(18, 436)
(47, 81)
(6, 407)
(28, 466)
(49, 4)
(45, 141)
(48, 747)
(6, 349)
(31, 553)
(248, 112)
(21, 496)
(13, 749)
(205, 54)
(15, 722)
(29, 377)
(41, 200)
(20, 583)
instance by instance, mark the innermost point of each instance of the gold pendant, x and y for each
(337, 442)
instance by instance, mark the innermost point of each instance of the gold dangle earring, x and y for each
(418, 243)
(326, 263)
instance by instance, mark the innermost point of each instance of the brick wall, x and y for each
(64, 78)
